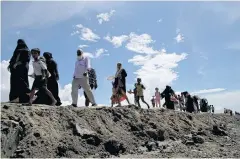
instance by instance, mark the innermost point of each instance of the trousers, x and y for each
(84, 83)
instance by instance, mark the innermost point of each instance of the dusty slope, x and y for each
(43, 131)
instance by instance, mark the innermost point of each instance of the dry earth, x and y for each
(54, 132)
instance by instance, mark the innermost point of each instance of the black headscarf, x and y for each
(21, 45)
(47, 55)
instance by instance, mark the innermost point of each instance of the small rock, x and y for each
(190, 117)
(142, 149)
(152, 134)
(39, 113)
(162, 135)
(19, 151)
(201, 133)
(198, 139)
(77, 130)
(189, 143)
(151, 146)
(5, 107)
(33, 143)
(115, 119)
(92, 140)
(153, 125)
(221, 149)
(227, 138)
(37, 134)
(31, 114)
(172, 138)
(5, 130)
(187, 137)
(61, 150)
(114, 147)
(14, 118)
(194, 133)
(218, 131)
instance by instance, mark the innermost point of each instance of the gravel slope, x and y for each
(53, 132)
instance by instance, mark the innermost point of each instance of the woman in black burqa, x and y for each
(52, 84)
(167, 94)
(189, 102)
(18, 67)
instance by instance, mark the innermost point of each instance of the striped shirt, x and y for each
(92, 77)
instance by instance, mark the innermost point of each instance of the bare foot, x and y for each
(15, 100)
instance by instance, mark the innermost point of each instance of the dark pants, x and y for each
(142, 98)
(86, 97)
(42, 98)
(39, 83)
(52, 86)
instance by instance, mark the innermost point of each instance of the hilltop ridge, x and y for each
(128, 131)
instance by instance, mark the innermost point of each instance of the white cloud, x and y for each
(139, 60)
(117, 41)
(85, 34)
(83, 46)
(141, 44)
(100, 52)
(64, 92)
(159, 21)
(31, 13)
(179, 38)
(97, 54)
(207, 91)
(234, 46)
(105, 17)
(88, 54)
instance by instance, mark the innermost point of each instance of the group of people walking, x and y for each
(184, 102)
(46, 76)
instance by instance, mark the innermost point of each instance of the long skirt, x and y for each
(19, 84)
(52, 86)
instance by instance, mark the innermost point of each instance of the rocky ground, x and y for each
(54, 132)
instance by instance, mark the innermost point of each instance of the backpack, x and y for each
(204, 105)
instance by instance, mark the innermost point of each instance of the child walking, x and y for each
(40, 74)
(139, 88)
(153, 101)
(157, 98)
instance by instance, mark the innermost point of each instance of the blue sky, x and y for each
(192, 46)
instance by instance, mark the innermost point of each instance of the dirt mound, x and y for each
(54, 132)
